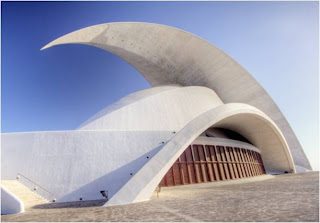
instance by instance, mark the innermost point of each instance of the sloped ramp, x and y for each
(28, 197)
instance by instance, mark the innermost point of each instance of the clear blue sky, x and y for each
(59, 88)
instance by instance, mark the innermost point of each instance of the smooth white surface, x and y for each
(166, 55)
(275, 153)
(127, 100)
(170, 109)
(80, 164)
(10, 204)
(74, 164)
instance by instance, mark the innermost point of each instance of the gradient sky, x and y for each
(61, 87)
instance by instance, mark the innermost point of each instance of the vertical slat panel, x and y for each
(173, 176)
(215, 164)
(247, 162)
(247, 155)
(208, 160)
(208, 163)
(184, 166)
(190, 164)
(204, 171)
(195, 158)
(221, 169)
(166, 180)
(235, 155)
(228, 159)
(181, 171)
(205, 164)
(242, 170)
(256, 162)
(243, 162)
(252, 163)
(234, 165)
(225, 165)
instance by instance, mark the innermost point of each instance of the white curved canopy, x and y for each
(166, 55)
(164, 109)
(257, 127)
(130, 164)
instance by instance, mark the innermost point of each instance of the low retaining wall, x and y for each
(10, 204)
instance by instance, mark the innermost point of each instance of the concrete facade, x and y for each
(166, 55)
(127, 147)
(10, 204)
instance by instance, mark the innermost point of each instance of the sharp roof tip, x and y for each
(45, 47)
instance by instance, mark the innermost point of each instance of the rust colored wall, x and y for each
(209, 163)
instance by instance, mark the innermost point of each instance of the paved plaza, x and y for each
(289, 197)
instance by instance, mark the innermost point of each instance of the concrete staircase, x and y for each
(28, 197)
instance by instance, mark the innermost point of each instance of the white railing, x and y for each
(36, 188)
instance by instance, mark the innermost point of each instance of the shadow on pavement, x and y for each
(76, 204)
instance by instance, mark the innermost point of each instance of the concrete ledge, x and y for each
(10, 204)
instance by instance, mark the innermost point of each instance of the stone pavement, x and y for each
(289, 197)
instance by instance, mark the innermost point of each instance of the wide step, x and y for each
(28, 197)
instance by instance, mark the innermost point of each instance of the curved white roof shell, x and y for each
(249, 121)
(167, 110)
(128, 147)
(127, 155)
(166, 55)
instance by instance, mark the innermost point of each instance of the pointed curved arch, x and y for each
(274, 149)
(166, 55)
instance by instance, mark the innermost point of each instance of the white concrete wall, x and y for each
(74, 164)
(81, 163)
(127, 148)
(10, 204)
(114, 143)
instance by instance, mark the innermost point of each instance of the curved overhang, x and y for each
(128, 100)
(257, 127)
(204, 140)
(155, 109)
(166, 55)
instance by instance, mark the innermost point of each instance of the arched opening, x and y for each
(244, 119)
(218, 154)
(224, 133)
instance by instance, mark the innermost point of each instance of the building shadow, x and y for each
(74, 204)
(111, 182)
